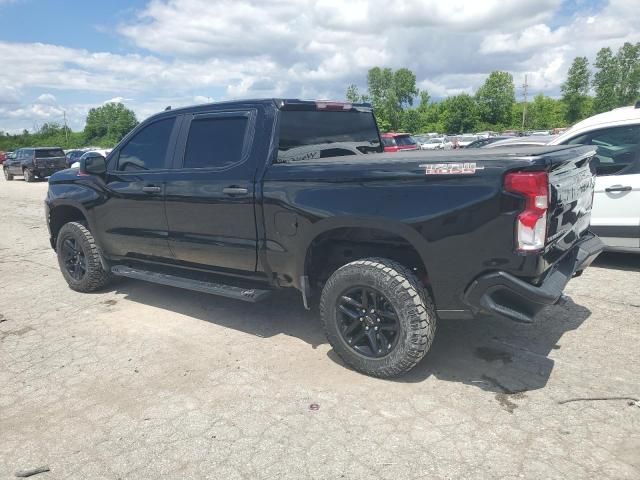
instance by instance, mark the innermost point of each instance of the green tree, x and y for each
(411, 121)
(391, 92)
(628, 64)
(353, 94)
(575, 90)
(495, 98)
(425, 101)
(109, 123)
(459, 114)
(544, 113)
(605, 81)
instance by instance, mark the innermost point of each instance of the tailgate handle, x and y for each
(151, 189)
(235, 190)
(618, 188)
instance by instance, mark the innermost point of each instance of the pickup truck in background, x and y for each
(243, 198)
(32, 163)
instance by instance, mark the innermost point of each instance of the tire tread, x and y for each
(418, 304)
(97, 276)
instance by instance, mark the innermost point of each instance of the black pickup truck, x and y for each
(243, 198)
(32, 163)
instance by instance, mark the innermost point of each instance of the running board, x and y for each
(252, 295)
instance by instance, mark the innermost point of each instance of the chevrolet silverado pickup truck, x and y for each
(32, 163)
(243, 198)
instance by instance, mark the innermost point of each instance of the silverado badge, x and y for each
(451, 168)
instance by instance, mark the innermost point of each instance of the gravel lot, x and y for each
(143, 381)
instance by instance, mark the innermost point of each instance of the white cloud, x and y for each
(46, 99)
(305, 48)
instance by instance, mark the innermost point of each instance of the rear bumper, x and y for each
(500, 293)
(46, 172)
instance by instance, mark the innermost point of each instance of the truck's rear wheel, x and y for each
(79, 258)
(7, 175)
(377, 316)
(28, 176)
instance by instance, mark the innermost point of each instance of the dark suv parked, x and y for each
(38, 162)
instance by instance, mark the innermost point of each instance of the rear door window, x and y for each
(215, 141)
(313, 134)
(618, 149)
(147, 149)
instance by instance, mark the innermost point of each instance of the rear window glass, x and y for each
(310, 135)
(49, 153)
(388, 142)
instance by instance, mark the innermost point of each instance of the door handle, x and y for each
(151, 189)
(618, 188)
(235, 191)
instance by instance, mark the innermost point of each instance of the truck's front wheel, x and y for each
(79, 258)
(377, 316)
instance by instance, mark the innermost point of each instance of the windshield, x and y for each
(310, 135)
(435, 140)
(49, 153)
(405, 140)
(466, 139)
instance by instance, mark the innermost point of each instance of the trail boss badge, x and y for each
(450, 168)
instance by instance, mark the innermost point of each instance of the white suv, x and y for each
(616, 206)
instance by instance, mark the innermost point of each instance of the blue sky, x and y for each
(69, 56)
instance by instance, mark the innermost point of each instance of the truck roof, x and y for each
(613, 118)
(39, 148)
(280, 103)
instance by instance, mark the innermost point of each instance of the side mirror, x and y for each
(93, 165)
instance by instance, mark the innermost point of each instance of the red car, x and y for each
(3, 157)
(396, 142)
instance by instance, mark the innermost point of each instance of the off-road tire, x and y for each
(8, 176)
(28, 175)
(96, 277)
(410, 300)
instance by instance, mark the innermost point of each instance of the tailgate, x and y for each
(51, 162)
(571, 183)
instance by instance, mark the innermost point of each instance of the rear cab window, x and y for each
(49, 153)
(312, 134)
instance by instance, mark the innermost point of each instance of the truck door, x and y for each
(132, 221)
(210, 193)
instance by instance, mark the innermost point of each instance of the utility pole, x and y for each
(524, 110)
(66, 129)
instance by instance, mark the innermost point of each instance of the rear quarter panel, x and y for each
(461, 225)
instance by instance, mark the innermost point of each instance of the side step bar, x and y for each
(252, 295)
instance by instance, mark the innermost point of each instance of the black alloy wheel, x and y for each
(75, 260)
(367, 322)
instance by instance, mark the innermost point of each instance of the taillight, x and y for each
(531, 227)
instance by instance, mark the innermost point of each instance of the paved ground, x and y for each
(143, 381)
